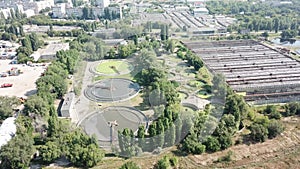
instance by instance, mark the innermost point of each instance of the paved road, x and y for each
(81, 106)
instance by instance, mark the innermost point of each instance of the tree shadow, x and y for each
(31, 92)
(179, 153)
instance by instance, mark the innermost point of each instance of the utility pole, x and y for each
(111, 125)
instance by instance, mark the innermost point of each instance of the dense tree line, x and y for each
(30, 43)
(71, 33)
(46, 20)
(235, 112)
(260, 15)
(110, 14)
(165, 128)
(92, 47)
(191, 58)
(54, 138)
(18, 151)
(164, 32)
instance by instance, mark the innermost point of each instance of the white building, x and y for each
(67, 107)
(200, 11)
(7, 130)
(102, 3)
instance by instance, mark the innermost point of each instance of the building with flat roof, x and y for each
(200, 11)
(49, 53)
(67, 106)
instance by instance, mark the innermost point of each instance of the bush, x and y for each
(258, 133)
(199, 149)
(174, 161)
(226, 158)
(275, 115)
(130, 165)
(212, 144)
(292, 109)
(163, 163)
(274, 128)
(270, 109)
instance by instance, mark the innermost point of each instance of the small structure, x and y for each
(200, 11)
(7, 130)
(67, 107)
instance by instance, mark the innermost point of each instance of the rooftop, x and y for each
(7, 130)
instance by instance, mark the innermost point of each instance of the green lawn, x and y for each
(182, 95)
(195, 83)
(203, 94)
(110, 67)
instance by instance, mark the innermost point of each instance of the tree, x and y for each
(126, 143)
(178, 125)
(270, 109)
(35, 42)
(212, 144)
(170, 46)
(170, 135)
(135, 40)
(146, 60)
(17, 153)
(129, 165)
(192, 145)
(35, 105)
(85, 13)
(275, 115)
(7, 105)
(50, 151)
(163, 33)
(288, 34)
(53, 124)
(274, 129)
(160, 129)
(225, 141)
(80, 149)
(258, 133)
(141, 136)
(265, 34)
(292, 109)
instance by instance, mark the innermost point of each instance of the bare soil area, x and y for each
(24, 83)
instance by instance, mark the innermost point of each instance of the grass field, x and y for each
(111, 67)
(182, 95)
(203, 94)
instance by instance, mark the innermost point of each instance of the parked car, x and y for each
(6, 85)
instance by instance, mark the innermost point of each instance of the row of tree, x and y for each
(165, 128)
(30, 43)
(259, 16)
(192, 59)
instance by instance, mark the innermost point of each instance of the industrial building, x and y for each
(265, 74)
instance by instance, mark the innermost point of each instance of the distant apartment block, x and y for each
(28, 7)
(102, 3)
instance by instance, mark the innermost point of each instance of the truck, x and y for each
(6, 85)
